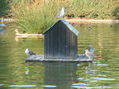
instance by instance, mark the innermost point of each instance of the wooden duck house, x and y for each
(60, 41)
(60, 44)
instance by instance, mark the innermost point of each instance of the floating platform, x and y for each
(40, 58)
(21, 35)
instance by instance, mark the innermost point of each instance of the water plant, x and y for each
(34, 17)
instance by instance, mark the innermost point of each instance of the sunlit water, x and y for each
(103, 73)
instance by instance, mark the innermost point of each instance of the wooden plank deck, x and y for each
(40, 58)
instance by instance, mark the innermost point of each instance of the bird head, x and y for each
(27, 51)
(91, 49)
(63, 8)
(86, 50)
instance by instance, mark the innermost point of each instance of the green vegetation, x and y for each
(35, 16)
(4, 8)
(102, 9)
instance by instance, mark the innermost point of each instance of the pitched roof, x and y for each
(68, 25)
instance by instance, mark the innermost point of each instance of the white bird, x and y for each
(2, 24)
(29, 52)
(90, 53)
(61, 14)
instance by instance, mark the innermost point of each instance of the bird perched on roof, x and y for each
(89, 53)
(29, 52)
(61, 13)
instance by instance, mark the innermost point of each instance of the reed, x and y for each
(4, 8)
(34, 17)
(92, 8)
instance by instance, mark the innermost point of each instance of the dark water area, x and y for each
(103, 73)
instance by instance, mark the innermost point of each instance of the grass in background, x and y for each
(102, 9)
(4, 8)
(35, 16)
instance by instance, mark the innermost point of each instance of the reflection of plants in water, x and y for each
(13, 58)
(17, 74)
(101, 36)
(36, 45)
(94, 75)
(84, 72)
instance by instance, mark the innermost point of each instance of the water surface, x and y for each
(103, 73)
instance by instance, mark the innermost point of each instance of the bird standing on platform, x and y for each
(29, 52)
(89, 53)
(61, 14)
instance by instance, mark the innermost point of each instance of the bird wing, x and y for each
(29, 52)
(90, 54)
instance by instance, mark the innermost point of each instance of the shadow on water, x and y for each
(60, 75)
(4, 7)
(2, 31)
(65, 75)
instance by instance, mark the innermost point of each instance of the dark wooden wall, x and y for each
(60, 42)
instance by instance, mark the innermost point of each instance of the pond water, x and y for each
(103, 73)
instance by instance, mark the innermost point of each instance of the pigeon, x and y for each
(90, 53)
(29, 52)
(61, 14)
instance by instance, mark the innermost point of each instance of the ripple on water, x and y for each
(22, 86)
(98, 87)
(75, 84)
(2, 84)
(99, 78)
(102, 64)
(49, 86)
